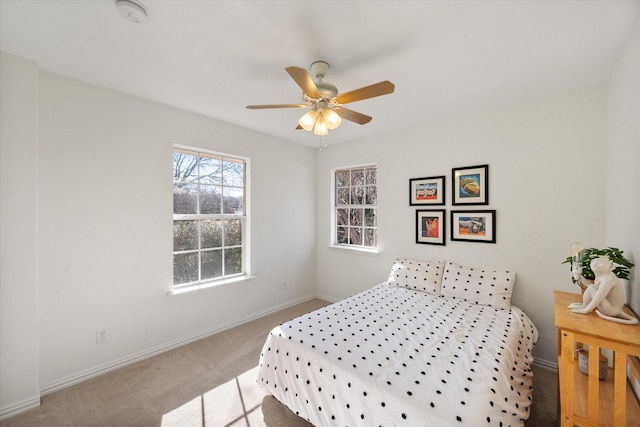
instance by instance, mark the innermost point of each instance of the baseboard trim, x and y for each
(328, 298)
(18, 408)
(545, 364)
(155, 351)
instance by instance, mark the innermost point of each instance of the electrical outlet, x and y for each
(282, 286)
(101, 337)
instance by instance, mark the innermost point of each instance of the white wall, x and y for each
(623, 173)
(18, 251)
(104, 231)
(546, 170)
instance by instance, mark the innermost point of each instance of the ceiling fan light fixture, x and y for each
(332, 119)
(307, 121)
(321, 127)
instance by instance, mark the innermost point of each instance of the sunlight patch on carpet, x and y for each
(234, 403)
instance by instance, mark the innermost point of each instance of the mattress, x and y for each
(395, 356)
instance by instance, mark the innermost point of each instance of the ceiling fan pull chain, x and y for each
(323, 143)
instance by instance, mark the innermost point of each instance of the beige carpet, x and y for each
(208, 383)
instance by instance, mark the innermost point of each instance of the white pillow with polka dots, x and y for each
(485, 287)
(425, 276)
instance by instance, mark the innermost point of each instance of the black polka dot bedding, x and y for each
(393, 356)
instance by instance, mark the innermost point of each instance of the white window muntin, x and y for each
(238, 216)
(354, 218)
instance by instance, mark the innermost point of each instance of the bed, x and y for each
(437, 344)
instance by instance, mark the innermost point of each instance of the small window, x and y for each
(209, 220)
(355, 212)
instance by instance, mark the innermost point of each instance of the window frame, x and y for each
(335, 206)
(244, 218)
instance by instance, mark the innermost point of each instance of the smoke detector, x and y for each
(131, 10)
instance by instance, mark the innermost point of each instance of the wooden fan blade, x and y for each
(377, 89)
(304, 80)
(353, 116)
(298, 127)
(260, 107)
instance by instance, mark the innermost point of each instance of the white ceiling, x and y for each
(446, 58)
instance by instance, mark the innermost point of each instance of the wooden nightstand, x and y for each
(586, 400)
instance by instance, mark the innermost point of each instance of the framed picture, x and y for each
(470, 185)
(430, 226)
(426, 191)
(473, 226)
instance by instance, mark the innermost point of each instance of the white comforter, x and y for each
(393, 356)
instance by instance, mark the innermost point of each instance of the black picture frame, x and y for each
(427, 191)
(473, 226)
(430, 226)
(470, 185)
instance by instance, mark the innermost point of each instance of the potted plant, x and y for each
(622, 266)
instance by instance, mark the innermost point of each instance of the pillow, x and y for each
(423, 276)
(492, 288)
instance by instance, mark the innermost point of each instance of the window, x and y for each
(355, 209)
(209, 219)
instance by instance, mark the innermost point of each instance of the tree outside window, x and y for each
(356, 197)
(208, 217)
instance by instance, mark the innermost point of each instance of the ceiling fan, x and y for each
(325, 103)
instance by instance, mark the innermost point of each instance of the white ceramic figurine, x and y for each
(606, 295)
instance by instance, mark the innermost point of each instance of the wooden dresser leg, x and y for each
(620, 389)
(566, 378)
